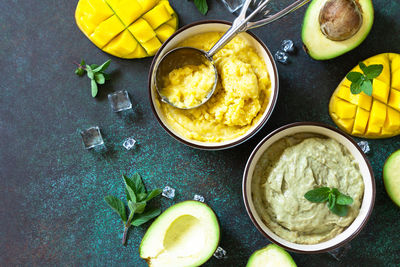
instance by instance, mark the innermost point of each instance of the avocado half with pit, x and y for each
(271, 256)
(334, 27)
(391, 177)
(186, 234)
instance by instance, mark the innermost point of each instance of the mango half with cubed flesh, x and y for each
(127, 28)
(376, 116)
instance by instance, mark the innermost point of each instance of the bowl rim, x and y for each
(246, 176)
(247, 135)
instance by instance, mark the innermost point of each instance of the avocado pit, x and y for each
(340, 19)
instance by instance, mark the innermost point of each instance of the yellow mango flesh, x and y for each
(127, 28)
(376, 116)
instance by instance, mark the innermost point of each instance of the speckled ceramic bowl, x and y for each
(368, 177)
(213, 26)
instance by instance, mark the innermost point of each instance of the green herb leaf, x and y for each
(340, 210)
(373, 71)
(343, 199)
(99, 77)
(142, 196)
(331, 201)
(93, 66)
(140, 219)
(106, 76)
(89, 71)
(94, 88)
(366, 87)
(80, 71)
(130, 189)
(318, 195)
(153, 194)
(354, 76)
(103, 67)
(118, 206)
(363, 82)
(201, 6)
(138, 183)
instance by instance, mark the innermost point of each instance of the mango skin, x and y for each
(127, 28)
(376, 116)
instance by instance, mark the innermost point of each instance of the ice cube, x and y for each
(129, 143)
(168, 192)
(281, 57)
(92, 137)
(288, 46)
(364, 146)
(119, 101)
(198, 198)
(220, 253)
(339, 253)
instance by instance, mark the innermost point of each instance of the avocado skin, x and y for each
(324, 52)
(386, 168)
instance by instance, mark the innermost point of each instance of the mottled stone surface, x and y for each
(52, 211)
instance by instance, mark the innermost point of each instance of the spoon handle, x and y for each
(238, 26)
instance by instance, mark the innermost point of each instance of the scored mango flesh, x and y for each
(127, 28)
(376, 116)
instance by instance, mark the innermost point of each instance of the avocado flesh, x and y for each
(271, 256)
(318, 46)
(186, 234)
(391, 177)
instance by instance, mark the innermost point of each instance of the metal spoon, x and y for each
(184, 56)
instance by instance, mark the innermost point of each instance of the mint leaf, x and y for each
(99, 77)
(140, 219)
(366, 87)
(153, 194)
(373, 71)
(103, 67)
(138, 183)
(355, 87)
(362, 66)
(331, 201)
(80, 71)
(343, 199)
(90, 73)
(201, 6)
(318, 195)
(94, 88)
(93, 66)
(117, 205)
(340, 210)
(354, 76)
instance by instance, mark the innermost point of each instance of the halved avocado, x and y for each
(186, 234)
(271, 256)
(391, 177)
(334, 27)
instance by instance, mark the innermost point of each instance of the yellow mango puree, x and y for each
(188, 86)
(240, 98)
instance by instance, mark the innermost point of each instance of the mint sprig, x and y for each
(362, 82)
(202, 6)
(137, 198)
(95, 73)
(338, 202)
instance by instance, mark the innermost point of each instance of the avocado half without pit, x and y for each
(334, 27)
(186, 234)
(272, 255)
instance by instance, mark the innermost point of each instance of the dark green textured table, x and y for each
(52, 211)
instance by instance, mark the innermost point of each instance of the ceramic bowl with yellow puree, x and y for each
(243, 99)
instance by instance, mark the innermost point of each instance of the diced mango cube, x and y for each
(148, 4)
(392, 122)
(396, 79)
(157, 16)
(164, 32)
(106, 31)
(347, 124)
(395, 58)
(382, 59)
(378, 113)
(380, 90)
(394, 99)
(361, 121)
(91, 13)
(127, 10)
(173, 22)
(152, 46)
(361, 99)
(142, 31)
(167, 6)
(373, 130)
(138, 53)
(344, 109)
(123, 45)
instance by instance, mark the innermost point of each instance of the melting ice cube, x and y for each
(287, 46)
(92, 137)
(281, 57)
(220, 253)
(168, 192)
(119, 101)
(339, 253)
(364, 146)
(198, 198)
(129, 143)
